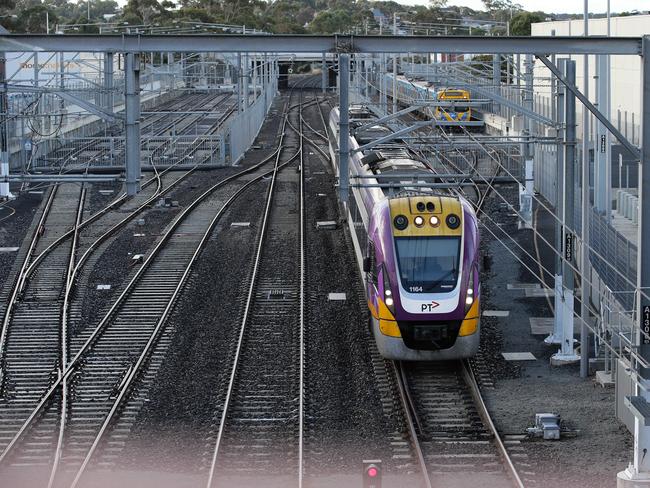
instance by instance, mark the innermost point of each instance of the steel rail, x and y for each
(470, 379)
(468, 376)
(29, 270)
(301, 387)
(75, 362)
(468, 373)
(21, 274)
(249, 297)
(134, 372)
(63, 335)
(409, 412)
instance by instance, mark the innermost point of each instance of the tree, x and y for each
(331, 21)
(34, 19)
(437, 3)
(494, 5)
(143, 10)
(520, 23)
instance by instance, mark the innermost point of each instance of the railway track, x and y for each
(35, 357)
(453, 435)
(156, 125)
(260, 423)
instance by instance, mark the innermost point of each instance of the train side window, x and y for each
(370, 262)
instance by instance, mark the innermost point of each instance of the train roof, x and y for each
(388, 158)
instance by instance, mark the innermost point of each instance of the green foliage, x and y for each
(520, 23)
(276, 16)
(34, 18)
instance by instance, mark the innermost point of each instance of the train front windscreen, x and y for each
(428, 264)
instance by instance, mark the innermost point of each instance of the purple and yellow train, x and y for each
(418, 249)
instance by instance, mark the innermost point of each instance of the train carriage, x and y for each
(417, 249)
(457, 110)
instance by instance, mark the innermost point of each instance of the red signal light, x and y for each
(371, 474)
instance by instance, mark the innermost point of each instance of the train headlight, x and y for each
(388, 293)
(469, 297)
(418, 221)
(434, 221)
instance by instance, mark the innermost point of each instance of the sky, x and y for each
(555, 6)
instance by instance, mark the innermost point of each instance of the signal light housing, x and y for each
(453, 221)
(401, 222)
(371, 474)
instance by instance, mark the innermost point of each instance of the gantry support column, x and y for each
(586, 203)
(638, 473)
(240, 94)
(132, 115)
(108, 81)
(170, 70)
(246, 81)
(344, 128)
(394, 83)
(383, 99)
(567, 354)
(324, 74)
(526, 190)
(4, 142)
(496, 79)
(603, 152)
(556, 336)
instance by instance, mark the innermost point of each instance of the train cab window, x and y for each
(428, 264)
(460, 108)
(371, 263)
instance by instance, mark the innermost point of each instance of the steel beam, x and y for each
(605, 120)
(556, 336)
(566, 354)
(526, 190)
(344, 128)
(324, 73)
(603, 159)
(416, 126)
(59, 178)
(136, 43)
(496, 78)
(638, 473)
(504, 101)
(89, 107)
(584, 214)
(132, 113)
(642, 438)
(4, 132)
(108, 82)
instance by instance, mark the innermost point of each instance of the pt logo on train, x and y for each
(427, 307)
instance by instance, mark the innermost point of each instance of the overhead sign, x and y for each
(568, 246)
(645, 324)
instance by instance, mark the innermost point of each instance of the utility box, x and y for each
(517, 123)
(624, 387)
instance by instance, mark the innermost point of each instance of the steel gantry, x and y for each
(346, 47)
